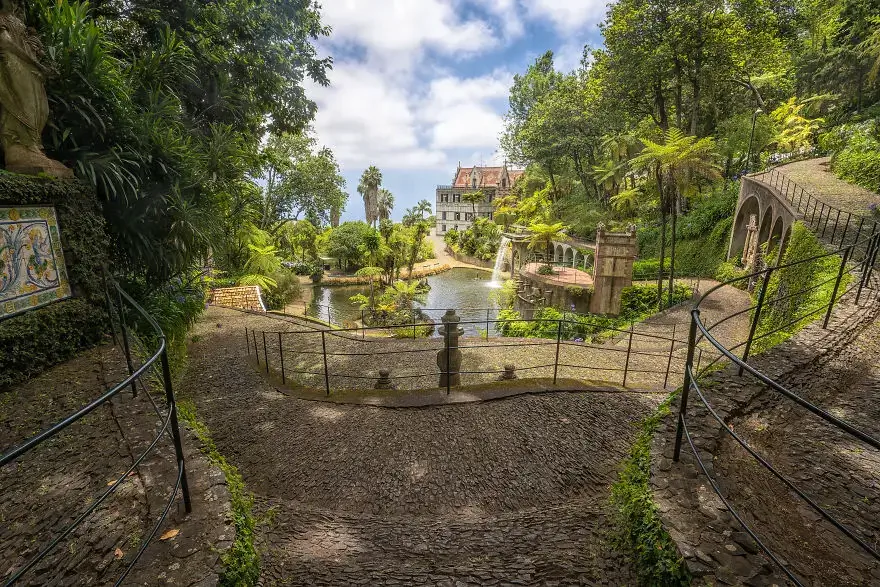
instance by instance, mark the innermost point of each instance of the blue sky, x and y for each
(419, 85)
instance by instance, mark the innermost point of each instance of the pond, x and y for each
(463, 289)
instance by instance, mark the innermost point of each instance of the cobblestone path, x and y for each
(43, 491)
(837, 369)
(816, 177)
(505, 492)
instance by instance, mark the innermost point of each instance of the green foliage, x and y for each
(505, 296)
(798, 295)
(479, 240)
(241, 562)
(729, 271)
(639, 529)
(546, 270)
(34, 341)
(857, 153)
(161, 107)
(345, 243)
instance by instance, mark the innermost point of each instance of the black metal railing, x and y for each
(310, 359)
(857, 260)
(158, 359)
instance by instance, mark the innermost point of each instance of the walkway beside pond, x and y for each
(509, 491)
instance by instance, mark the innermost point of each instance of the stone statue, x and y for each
(24, 108)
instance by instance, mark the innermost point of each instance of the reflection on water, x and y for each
(462, 289)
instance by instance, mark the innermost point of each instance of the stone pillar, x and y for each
(612, 269)
(751, 246)
(450, 331)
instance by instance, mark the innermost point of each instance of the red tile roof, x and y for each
(488, 176)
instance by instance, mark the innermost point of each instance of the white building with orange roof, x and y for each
(454, 213)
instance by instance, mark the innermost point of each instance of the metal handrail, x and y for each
(869, 246)
(159, 357)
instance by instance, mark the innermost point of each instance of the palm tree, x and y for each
(385, 203)
(420, 230)
(405, 293)
(423, 207)
(543, 236)
(473, 198)
(678, 163)
(368, 188)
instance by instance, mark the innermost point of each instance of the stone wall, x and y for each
(246, 297)
(462, 258)
(533, 293)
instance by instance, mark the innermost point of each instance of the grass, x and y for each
(639, 530)
(241, 563)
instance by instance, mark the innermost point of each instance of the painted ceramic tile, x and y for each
(32, 272)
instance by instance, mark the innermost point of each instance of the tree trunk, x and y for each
(662, 239)
(672, 252)
(660, 104)
(678, 101)
(695, 109)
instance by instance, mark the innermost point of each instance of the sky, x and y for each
(418, 86)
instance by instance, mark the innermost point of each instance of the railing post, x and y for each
(265, 354)
(686, 388)
(836, 286)
(800, 198)
(628, 351)
(863, 278)
(125, 346)
(256, 348)
(247, 340)
(324, 353)
(412, 314)
(859, 231)
(175, 428)
(845, 228)
(329, 317)
(281, 354)
(363, 326)
(755, 319)
(487, 323)
(827, 219)
(558, 340)
(669, 362)
(836, 222)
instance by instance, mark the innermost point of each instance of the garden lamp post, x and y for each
(751, 139)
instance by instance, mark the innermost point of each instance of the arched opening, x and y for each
(740, 226)
(558, 257)
(568, 257)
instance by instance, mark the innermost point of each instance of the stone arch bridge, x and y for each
(763, 215)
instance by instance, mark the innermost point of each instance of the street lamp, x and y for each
(752, 138)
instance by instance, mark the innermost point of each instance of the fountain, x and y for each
(499, 262)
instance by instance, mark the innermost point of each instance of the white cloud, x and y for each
(568, 16)
(465, 113)
(368, 119)
(568, 57)
(397, 32)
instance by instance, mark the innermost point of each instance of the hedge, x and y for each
(32, 342)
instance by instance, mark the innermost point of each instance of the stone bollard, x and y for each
(384, 381)
(509, 373)
(450, 331)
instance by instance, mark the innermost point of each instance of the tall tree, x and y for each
(371, 179)
(384, 204)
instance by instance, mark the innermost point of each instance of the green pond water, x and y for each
(462, 289)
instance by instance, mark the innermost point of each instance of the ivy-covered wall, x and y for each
(36, 340)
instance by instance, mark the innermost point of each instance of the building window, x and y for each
(444, 226)
(467, 215)
(491, 197)
(444, 218)
(504, 182)
(474, 183)
(458, 215)
(456, 198)
(491, 216)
